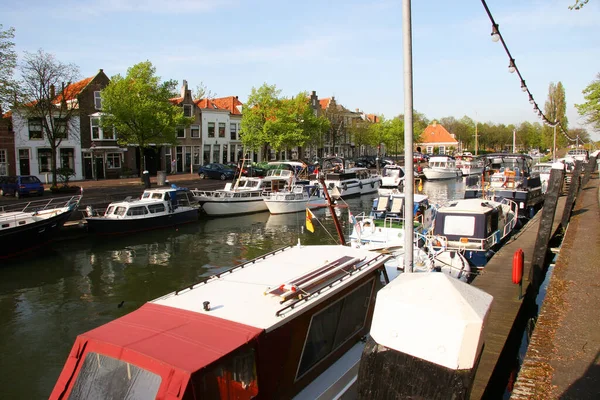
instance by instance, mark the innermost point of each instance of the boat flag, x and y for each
(309, 217)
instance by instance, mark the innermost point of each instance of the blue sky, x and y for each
(348, 49)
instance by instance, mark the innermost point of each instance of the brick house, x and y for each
(187, 151)
(7, 146)
(435, 136)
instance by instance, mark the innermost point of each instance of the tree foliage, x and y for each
(203, 92)
(280, 123)
(137, 105)
(45, 95)
(591, 108)
(8, 63)
(578, 4)
(555, 109)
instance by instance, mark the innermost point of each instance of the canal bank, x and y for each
(563, 358)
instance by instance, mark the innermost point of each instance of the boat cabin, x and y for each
(442, 162)
(152, 201)
(267, 328)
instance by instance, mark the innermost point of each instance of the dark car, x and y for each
(253, 170)
(21, 185)
(216, 171)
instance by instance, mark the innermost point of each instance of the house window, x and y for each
(206, 154)
(334, 325)
(211, 129)
(97, 100)
(113, 160)
(233, 130)
(429, 149)
(195, 131)
(67, 158)
(187, 110)
(44, 157)
(109, 134)
(222, 129)
(60, 128)
(442, 150)
(35, 128)
(196, 155)
(3, 163)
(180, 133)
(101, 134)
(95, 124)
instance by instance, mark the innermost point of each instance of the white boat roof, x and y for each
(440, 158)
(292, 163)
(468, 206)
(241, 296)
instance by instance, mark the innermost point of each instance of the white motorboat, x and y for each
(441, 167)
(156, 208)
(288, 324)
(475, 228)
(298, 198)
(469, 165)
(543, 169)
(392, 180)
(245, 196)
(347, 182)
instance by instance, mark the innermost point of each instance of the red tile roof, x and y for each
(205, 103)
(372, 118)
(176, 100)
(436, 133)
(72, 90)
(324, 103)
(228, 103)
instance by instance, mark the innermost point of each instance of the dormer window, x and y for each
(97, 100)
(187, 110)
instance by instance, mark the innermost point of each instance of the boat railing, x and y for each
(228, 194)
(40, 205)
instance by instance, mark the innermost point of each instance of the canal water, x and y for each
(49, 298)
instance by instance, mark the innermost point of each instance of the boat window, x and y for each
(110, 210)
(232, 378)
(145, 195)
(103, 377)
(157, 196)
(137, 211)
(156, 208)
(120, 211)
(333, 326)
(463, 225)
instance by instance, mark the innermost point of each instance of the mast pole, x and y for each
(336, 221)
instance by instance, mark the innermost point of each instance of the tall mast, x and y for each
(336, 222)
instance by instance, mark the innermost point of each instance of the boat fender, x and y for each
(517, 267)
(373, 184)
(89, 210)
(360, 185)
(344, 186)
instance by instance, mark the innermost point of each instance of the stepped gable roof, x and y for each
(436, 133)
(229, 103)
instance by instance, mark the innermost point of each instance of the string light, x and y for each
(512, 67)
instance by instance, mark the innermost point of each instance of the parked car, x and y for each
(418, 157)
(216, 171)
(253, 170)
(21, 185)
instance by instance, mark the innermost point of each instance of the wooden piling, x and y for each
(591, 165)
(545, 229)
(571, 194)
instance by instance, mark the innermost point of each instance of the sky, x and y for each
(349, 49)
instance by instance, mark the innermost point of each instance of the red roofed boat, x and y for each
(288, 324)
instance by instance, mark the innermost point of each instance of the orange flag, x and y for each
(309, 217)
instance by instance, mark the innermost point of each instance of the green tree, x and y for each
(138, 107)
(359, 131)
(45, 96)
(591, 108)
(555, 109)
(8, 62)
(202, 91)
(578, 4)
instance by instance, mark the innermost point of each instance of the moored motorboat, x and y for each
(348, 182)
(392, 179)
(296, 199)
(155, 209)
(26, 226)
(469, 164)
(543, 169)
(441, 167)
(288, 324)
(475, 228)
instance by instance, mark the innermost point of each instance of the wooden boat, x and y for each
(155, 209)
(26, 226)
(474, 228)
(245, 195)
(509, 176)
(295, 199)
(288, 324)
(441, 167)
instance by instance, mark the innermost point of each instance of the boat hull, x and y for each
(25, 238)
(439, 174)
(233, 206)
(292, 206)
(109, 226)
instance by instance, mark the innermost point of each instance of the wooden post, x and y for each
(591, 165)
(545, 229)
(573, 190)
(426, 339)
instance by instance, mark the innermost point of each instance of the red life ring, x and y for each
(517, 267)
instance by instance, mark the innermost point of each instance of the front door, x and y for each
(87, 168)
(99, 168)
(24, 162)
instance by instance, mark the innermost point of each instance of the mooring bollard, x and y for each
(426, 339)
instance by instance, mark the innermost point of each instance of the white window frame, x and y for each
(197, 129)
(3, 162)
(442, 149)
(29, 121)
(100, 130)
(97, 100)
(49, 152)
(116, 160)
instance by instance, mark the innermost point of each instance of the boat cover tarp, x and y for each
(170, 342)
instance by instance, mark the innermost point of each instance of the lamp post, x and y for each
(408, 133)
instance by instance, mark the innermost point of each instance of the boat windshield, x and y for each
(233, 377)
(104, 377)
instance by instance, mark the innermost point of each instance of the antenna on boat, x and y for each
(336, 222)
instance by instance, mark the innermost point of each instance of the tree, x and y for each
(580, 135)
(137, 106)
(46, 98)
(8, 62)
(555, 110)
(591, 108)
(359, 131)
(202, 92)
(578, 4)
(280, 123)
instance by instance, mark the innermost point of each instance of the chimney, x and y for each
(101, 70)
(52, 92)
(434, 123)
(357, 110)
(184, 88)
